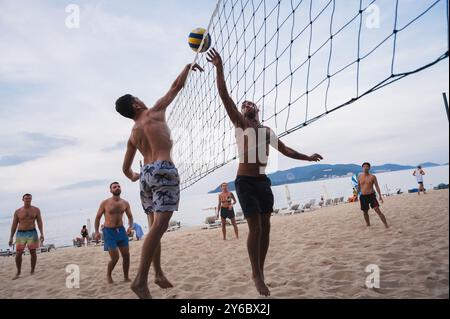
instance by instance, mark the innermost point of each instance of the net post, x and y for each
(444, 95)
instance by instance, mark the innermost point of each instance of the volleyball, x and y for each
(196, 37)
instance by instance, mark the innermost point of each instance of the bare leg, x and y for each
(125, 253)
(366, 217)
(265, 240)
(382, 217)
(160, 278)
(254, 252)
(114, 254)
(33, 260)
(224, 228)
(18, 264)
(236, 230)
(149, 248)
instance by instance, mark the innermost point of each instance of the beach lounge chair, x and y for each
(47, 248)
(6, 253)
(306, 207)
(328, 202)
(240, 219)
(284, 211)
(336, 201)
(211, 222)
(174, 225)
(341, 200)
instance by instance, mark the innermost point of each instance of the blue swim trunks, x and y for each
(160, 187)
(114, 237)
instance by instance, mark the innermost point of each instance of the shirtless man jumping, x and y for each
(25, 218)
(366, 181)
(114, 234)
(159, 180)
(252, 185)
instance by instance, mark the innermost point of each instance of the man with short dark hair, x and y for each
(159, 180)
(114, 234)
(366, 182)
(25, 219)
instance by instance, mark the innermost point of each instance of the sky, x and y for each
(62, 141)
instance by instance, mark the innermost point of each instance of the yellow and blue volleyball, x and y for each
(195, 39)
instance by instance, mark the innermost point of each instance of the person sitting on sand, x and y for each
(418, 173)
(24, 221)
(225, 208)
(366, 182)
(115, 235)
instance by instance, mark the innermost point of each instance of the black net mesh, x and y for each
(299, 60)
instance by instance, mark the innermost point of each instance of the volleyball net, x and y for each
(299, 60)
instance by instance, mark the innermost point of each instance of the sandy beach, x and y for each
(320, 254)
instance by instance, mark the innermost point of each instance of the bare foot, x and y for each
(17, 276)
(141, 290)
(110, 280)
(261, 287)
(32, 272)
(126, 280)
(163, 282)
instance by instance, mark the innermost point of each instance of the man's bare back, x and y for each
(151, 136)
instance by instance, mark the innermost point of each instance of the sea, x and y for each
(62, 227)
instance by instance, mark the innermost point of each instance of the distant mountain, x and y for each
(428, 164)
(324, 171)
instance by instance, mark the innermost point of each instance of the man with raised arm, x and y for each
(159, 180)
(252, 185)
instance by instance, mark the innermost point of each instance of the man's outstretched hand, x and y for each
(195, 67)
(315, 158)
(214, 57)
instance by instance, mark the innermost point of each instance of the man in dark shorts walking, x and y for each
(159, 180)
(24, 221)
(252, 185)
(114, 234)
(225, 209)
(368, 198)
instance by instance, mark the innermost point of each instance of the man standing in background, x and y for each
(25, 219)
(418, 173)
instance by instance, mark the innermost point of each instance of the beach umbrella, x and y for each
(288, 195)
